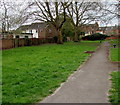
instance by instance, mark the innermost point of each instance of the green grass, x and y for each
(114, 52)
(115, 41)
(114, 55)
(31, 73)
(115, 90)
(89, 41)
(0, 77)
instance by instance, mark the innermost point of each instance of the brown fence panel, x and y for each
(16, 42)
(7, 43)
(21, 42)
(12, 43)
(112, 37)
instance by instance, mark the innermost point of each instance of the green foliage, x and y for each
(81, 33)
(55, 39)
(31, 73)
(96, 36)
(67, 29)
(115, 90)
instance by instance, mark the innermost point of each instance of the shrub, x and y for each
(55, 39)
(96, 36)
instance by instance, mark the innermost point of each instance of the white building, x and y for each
(34, 29)
(22, 36)
(31, 31)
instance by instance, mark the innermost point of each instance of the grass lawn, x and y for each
(114, 51)
(31, 73)
(114, 54)
(115, 41)
(0, 77)
(115, 88)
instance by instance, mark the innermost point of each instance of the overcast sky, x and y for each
(114, 21)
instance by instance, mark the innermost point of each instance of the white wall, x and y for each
(101, 32)
(27, 31)
(35, 34)
(88, 33)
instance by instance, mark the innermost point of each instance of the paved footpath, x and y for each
(89, 84)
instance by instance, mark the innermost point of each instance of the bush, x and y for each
(96, 36)
(64, 39)
(55, 39)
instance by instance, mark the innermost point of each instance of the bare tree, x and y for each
(110, 13)
(51, 12)
(83, 13)
(12, 16)
(4, 17)
(112, 8)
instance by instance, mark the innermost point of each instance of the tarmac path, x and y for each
(90, 83)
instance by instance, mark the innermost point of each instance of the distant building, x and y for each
(90, 28)
(102, 30)
(99, 31)
(111, 30)
(23, 35)
(38, 30)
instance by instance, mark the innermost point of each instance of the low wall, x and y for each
(113, 37)
(12, 43)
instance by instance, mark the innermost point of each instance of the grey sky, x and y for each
(113, 22)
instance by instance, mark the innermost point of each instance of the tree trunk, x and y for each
(60, 38)
(76, 35)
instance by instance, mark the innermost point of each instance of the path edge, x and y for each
(78, 69)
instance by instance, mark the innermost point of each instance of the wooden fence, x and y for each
(113, 37)
(13, 43)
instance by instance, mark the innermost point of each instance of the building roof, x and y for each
(91, 25)
(108, 28)
(37, 25)
(102, 28)
(33, 26)
(23, 27)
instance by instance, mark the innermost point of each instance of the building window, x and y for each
(26, 36)
(36, 31)
(30, 31)
(17, 36)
